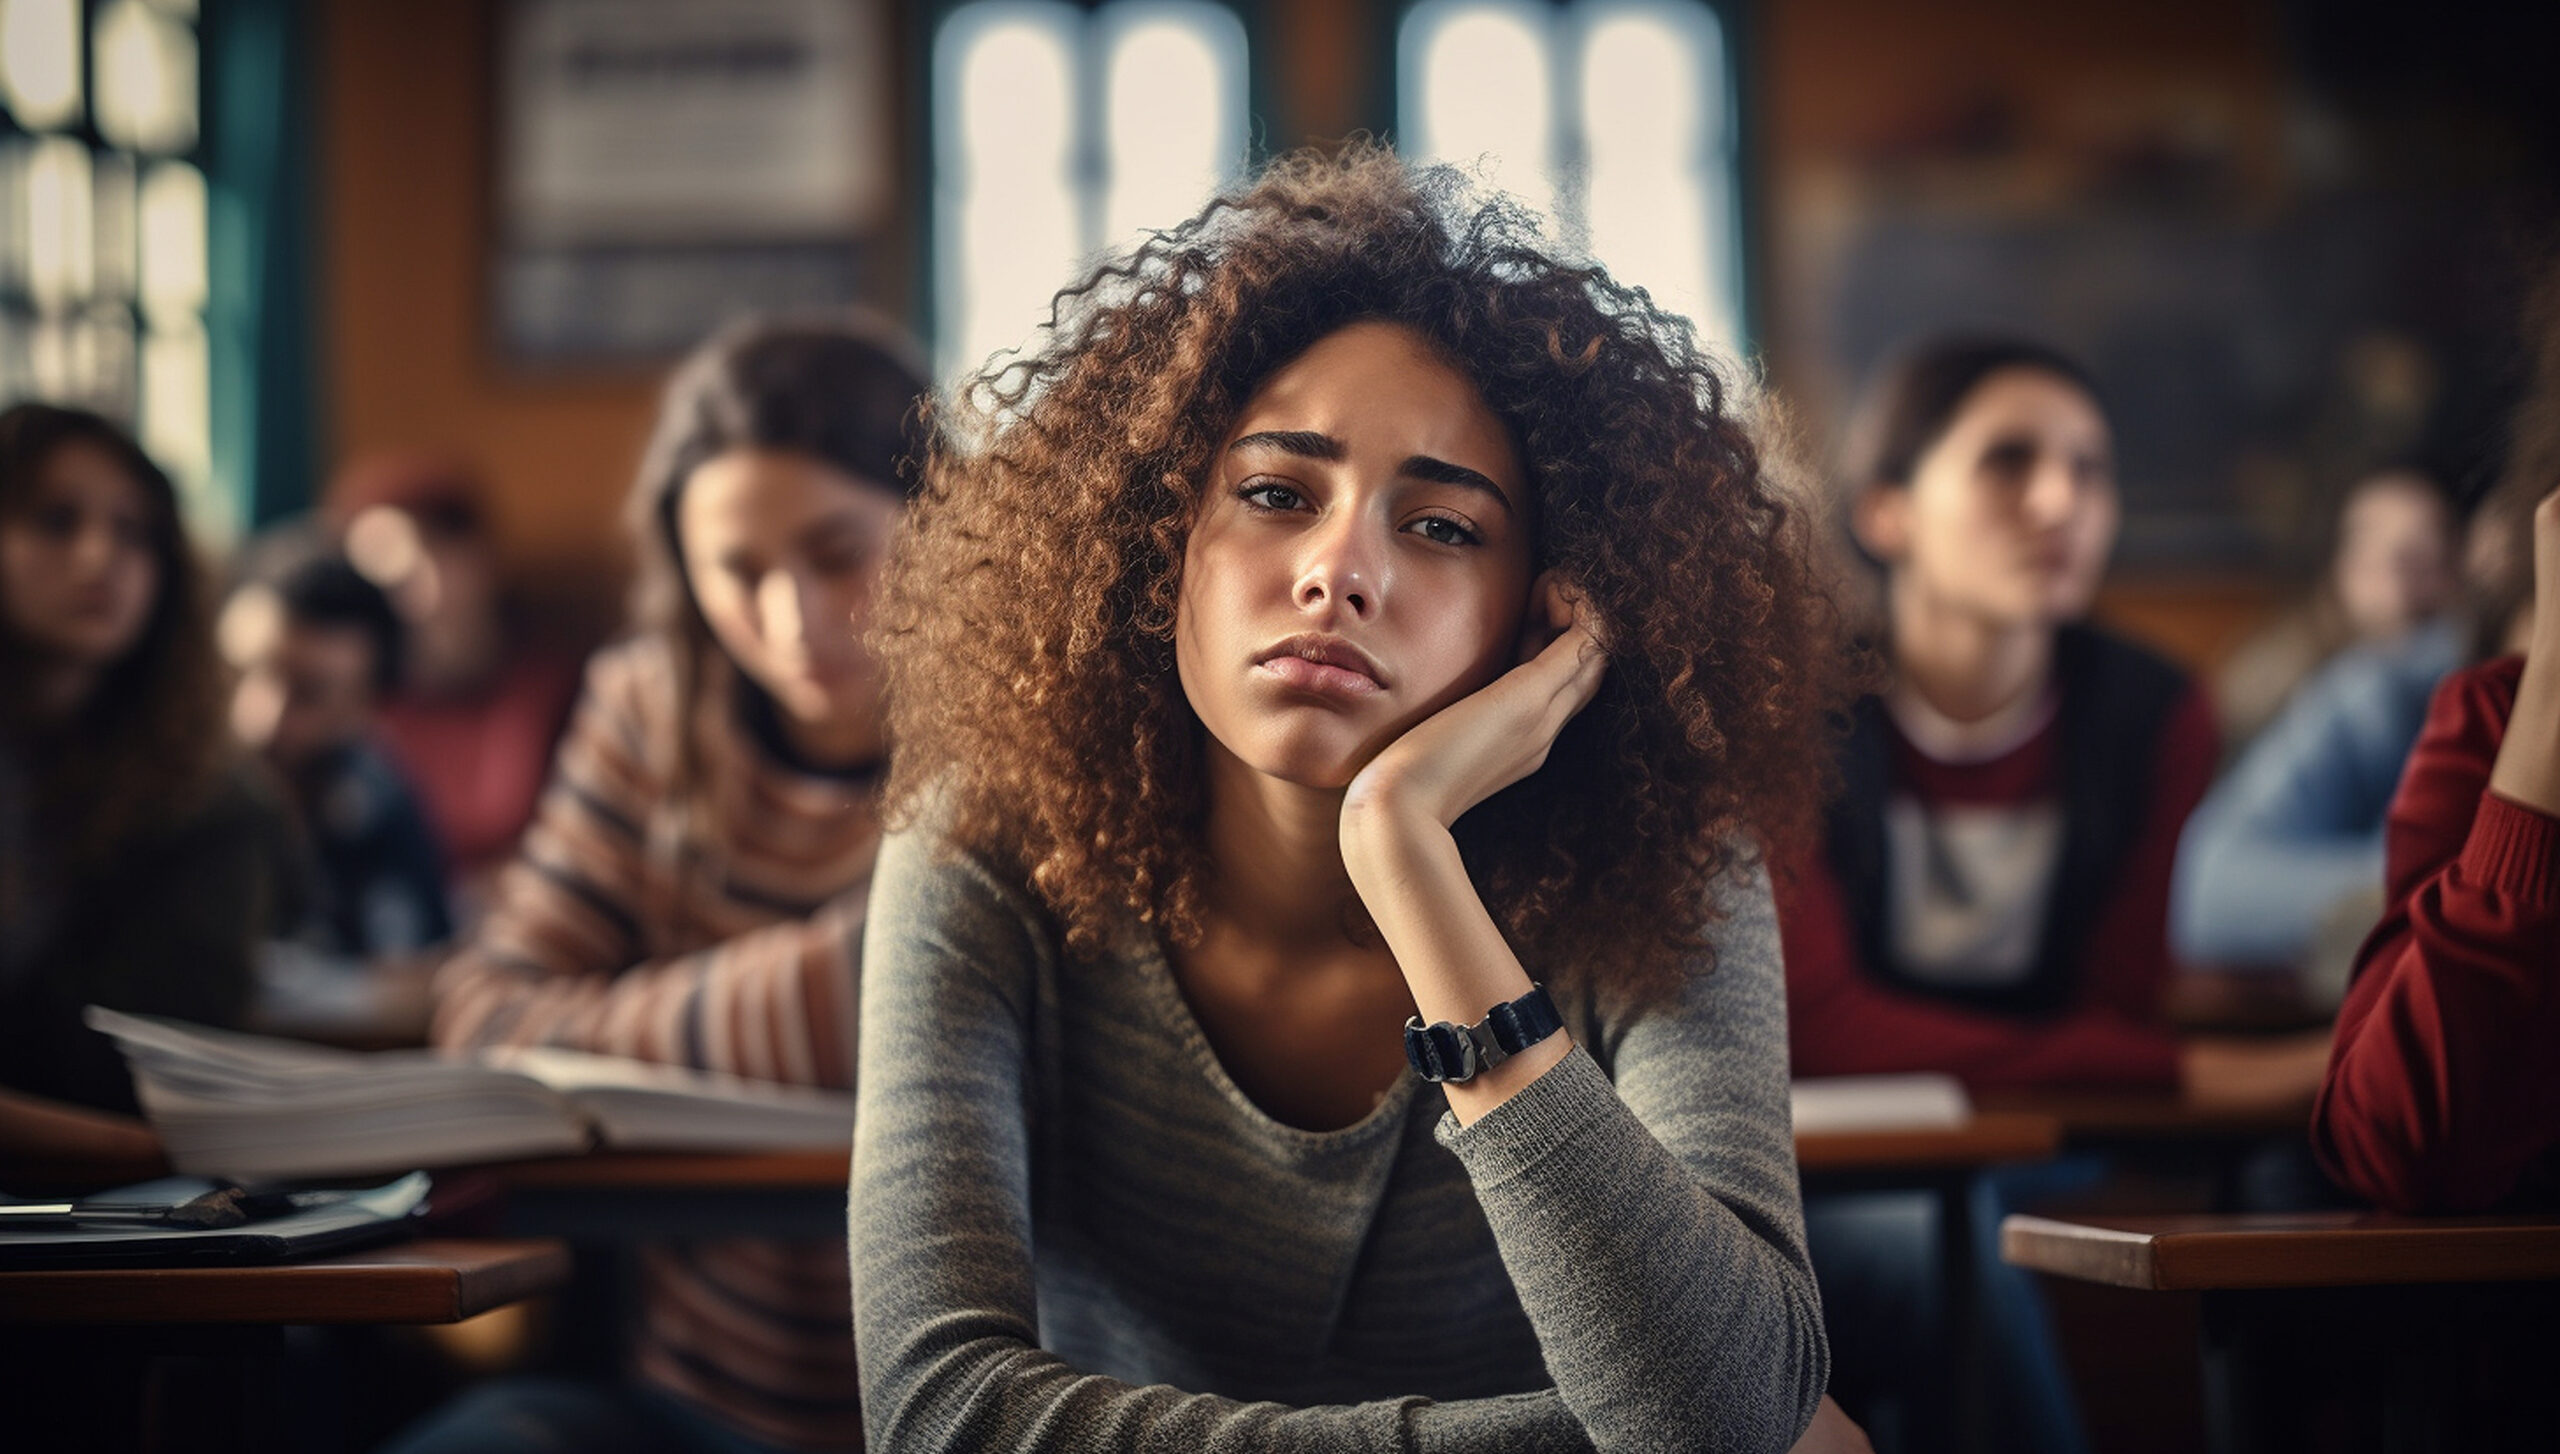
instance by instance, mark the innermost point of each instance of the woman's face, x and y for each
(1361, 557)
(784, 553)
(2010, 516)
(77, 571)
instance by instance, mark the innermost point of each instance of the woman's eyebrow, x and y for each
(1306, 443)
(1442, 472)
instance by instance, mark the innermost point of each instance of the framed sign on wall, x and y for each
(666, 164)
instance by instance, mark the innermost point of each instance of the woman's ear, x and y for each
(1880, 519)
(1553, 600)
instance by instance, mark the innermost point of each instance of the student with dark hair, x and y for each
(483, 695)
(2443, 1091)
(1990, 896)
(693, 889)
(318, 648)
(1351, 620)
(140, 864)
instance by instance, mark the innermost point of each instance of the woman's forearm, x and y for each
(1415, 886)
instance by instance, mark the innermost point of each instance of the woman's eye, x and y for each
(1270, 497)
(1442, 530)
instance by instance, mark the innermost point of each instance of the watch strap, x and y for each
(1448, 1052)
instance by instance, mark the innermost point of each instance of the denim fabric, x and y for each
(535, 1415)
(2296, 825)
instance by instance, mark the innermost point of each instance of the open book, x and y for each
(254, 1108)
(1846, 1103)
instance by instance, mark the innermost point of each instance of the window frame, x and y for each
(1734, 20)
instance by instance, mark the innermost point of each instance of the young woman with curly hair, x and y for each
(1348, 617)
(140, 857)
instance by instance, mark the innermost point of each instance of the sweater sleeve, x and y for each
(561, 959)
(2442, 1090)
(945, 1309)
(1652, 1226)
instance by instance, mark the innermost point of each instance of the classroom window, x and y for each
(1614, 119)
(1060, 134)
(103, 225)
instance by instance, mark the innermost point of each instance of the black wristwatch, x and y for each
(1450, 1052)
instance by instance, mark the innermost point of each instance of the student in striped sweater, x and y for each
(692, 889)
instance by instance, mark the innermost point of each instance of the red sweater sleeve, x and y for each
(2443, 1088)
(1845, 1020)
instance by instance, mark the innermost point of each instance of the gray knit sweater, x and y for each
(1072, 1232)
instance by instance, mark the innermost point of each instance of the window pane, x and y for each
(173, 242)
(177, 411)
(1004, 169)
(146, 78)
(1175, 113)
(54, 202)
(85, 359)
(40, 61)
(1652, 108)
(1641, 77)
(1478, 91)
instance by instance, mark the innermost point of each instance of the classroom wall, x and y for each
(1846, 90)
(403, 199)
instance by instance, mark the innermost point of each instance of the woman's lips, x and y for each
(1320, 678)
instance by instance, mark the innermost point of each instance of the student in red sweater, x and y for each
(1991, 898)
(2443, 1092)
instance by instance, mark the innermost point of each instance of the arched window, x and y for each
(1614, 118)
(103, 275)
(1060, 132)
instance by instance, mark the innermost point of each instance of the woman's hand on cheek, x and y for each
(1485, 741)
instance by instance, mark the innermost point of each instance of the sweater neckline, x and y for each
(1174, 1015)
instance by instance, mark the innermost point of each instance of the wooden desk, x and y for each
(827, 1169)
(414, 1282)
(1989, 1139)
(2138, 1116)
(2417, 1333)
(2318, 1249)
(622, 1196)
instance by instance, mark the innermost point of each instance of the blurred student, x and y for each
(2393, 572)
(693, 890)
(318, 649)
(1991, 896)
(2281, 866)
(140, 863)
(482, 698)
(2442, 1093)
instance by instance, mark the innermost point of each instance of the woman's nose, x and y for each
(2053, 493)
(782, 608)
(1340, 570)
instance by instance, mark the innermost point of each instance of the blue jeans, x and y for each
(540, 1415)
(1884, 1299)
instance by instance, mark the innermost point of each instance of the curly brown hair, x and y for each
(1029, 615)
